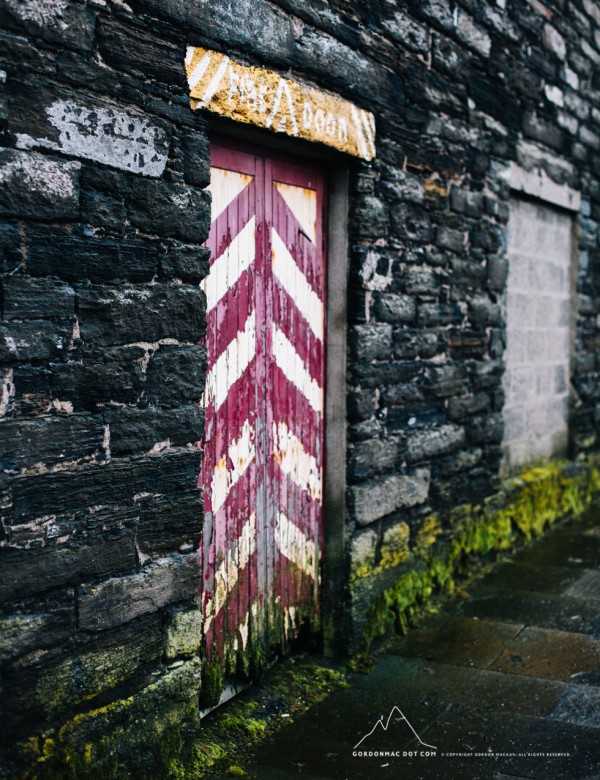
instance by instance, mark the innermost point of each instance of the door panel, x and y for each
(262, 472)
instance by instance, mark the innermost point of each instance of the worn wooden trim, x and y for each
(334, 563)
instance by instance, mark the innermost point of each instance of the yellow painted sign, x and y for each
(264, 98)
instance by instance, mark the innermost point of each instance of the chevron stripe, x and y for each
(295, 461)
(302, 202)
(296, 285)
(295, 546)
(241, 453)
(225, 186)
(292, 366)
(231, 364)
(228, 267)
(226, 576)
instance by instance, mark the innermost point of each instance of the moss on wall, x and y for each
(530, 503)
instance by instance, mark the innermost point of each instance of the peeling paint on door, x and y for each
(262, 470)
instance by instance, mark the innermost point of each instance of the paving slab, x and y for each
(457, 640)
(561, 612)
(558, 655)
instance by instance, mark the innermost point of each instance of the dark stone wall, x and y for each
(102, 171)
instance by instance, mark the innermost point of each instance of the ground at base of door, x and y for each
(501, 684)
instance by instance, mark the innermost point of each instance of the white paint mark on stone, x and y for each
(554, 95)
(8, 391)
(62, 406)
(372, 280)
(200, 69)
(213, 85)
(106, 135)
(42, 12)
(283, 89)
(39, 174)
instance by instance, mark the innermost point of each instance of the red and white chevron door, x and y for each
(262, 472)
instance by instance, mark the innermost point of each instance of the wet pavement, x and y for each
(502, 684)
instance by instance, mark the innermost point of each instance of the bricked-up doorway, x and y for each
(262, 472)
(539, 296)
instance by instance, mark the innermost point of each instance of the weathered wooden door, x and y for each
(262, 472)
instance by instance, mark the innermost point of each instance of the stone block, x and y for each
(89, 129)
(116, 483)
(176, 374)
(23, 632)
(61, 22)
(394, 545)
(75, 257)
(405, 30)
(111, 315)
(411, 344)
(439, 12)
(482, 312)
(188, 263)
(471, 34)
(28, 298)
(361, 404)
(115, 376)
(497, 271)
(39, 187)
(395, 308)
(421, 281)
(184, 633)
(378, 498)
(423, 445)
(134, 430)
(363, 547)
(485, 429)
(410, 223)
(61, 565)
(373, 457)
(168, 523)
(370, 217)
(33, 340)
(196, 158)
(157, 207)
(371, 342)
(466, 202)
(464, 406)
(121, 599)
(539, 130)
(554, 42)
(438, 314)
(49, 440)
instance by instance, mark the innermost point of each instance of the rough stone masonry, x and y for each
(102, 170)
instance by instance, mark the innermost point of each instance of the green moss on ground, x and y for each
(290, 688)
